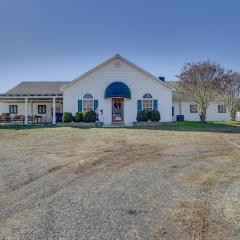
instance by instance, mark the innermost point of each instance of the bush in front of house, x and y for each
(89, 116)
(67, 117)
(155, 116)
(78, 117)
(143, 116)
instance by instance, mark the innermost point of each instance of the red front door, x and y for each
(117, 110)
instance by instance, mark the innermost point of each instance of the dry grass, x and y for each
(201, 170)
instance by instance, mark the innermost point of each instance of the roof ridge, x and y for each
(111, 59)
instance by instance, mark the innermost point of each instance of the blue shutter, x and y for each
(155, 104)
(79, 105)
(173, 111)
(95, 104)
(139, 105)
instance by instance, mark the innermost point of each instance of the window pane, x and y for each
(147, 95)
(88, 95)
(42, 109)
(222, 109)
(147, 104)
(13, 109)
(87, 105)
(193, 109)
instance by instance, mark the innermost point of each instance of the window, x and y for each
(193, 109)
(173, 112)
(222, 109)
(42, 109)
(147, 102)
(13, 109)
(87, 102)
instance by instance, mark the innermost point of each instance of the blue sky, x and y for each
(59, 40)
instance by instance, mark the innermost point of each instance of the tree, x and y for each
(200, 81)
(230, 91)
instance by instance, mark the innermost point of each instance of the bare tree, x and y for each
(200, 81)
(230, 90)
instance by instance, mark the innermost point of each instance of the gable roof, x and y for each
(117, 56)
(37, 88)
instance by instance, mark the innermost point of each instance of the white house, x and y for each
(119, 87)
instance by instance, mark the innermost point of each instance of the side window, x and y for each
(193, 108)
(13, 109)
(222, 109)
(173, 112)
(87, 102)
(42, 109)
(147, 102)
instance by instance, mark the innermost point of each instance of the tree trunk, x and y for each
(233, 115)
(203, 116)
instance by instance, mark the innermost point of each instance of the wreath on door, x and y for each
(117, 104)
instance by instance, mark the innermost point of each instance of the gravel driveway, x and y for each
(69, 183)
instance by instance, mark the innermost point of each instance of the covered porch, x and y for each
(30, 109)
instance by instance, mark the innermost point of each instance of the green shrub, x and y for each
(89, 116)
(67, 117)
(78, 117)
(143, 116)
(155, 116)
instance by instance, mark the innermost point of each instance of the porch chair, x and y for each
(19, 118)
(4, 118)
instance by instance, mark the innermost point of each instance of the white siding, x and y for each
(138, 82)
(3, 108)
(238, 116)
(212, 112)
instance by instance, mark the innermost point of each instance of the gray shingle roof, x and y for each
(178, 96)
(37, 88)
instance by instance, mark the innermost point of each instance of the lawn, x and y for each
(220, 126)
(197, 126)
(120, 183)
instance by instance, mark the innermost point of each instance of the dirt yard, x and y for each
(68, 183)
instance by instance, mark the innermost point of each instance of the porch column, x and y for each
(54, 111)
(26, 111)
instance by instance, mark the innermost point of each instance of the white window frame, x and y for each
(147, 97)
(85, 99)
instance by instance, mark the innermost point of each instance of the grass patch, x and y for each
(220, 126)
(196, 126)
(23, 127)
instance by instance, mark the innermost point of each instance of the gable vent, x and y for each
(117, 64)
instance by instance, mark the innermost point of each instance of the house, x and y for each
(119, 87)
(185, 106)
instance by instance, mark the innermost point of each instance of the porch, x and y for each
(30, 109)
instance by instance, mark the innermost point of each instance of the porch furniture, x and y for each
(4, 118)
(38, 119)
(35, 119)
(19, 118)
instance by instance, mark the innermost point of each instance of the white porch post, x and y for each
(54, 111)
(26, 111)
